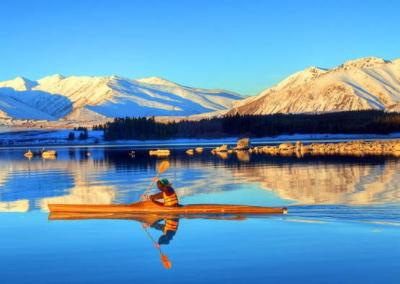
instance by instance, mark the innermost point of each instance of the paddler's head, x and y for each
(163, 183)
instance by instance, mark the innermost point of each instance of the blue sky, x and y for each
(244, 46)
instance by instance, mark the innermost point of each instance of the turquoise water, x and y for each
(343, 224)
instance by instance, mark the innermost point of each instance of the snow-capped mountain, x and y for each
(366, 83)
(83, 98)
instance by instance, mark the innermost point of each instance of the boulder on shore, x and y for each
(199, 150)
(223, 148)
(243, 144)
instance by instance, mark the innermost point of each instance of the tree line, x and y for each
(83, 135)
(349, 122)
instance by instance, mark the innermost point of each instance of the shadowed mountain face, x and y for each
(32, 104)
(111, 176)
(82, 98)
(366, 83)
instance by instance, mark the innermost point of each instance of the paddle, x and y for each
(162, 168)
(164, 259)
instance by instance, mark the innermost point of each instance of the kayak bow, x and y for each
(149, 207)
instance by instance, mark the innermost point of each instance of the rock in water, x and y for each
(243, 144)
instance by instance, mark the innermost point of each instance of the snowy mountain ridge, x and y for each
(361, 84)
(85, 98)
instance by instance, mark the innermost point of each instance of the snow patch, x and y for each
(157, 81)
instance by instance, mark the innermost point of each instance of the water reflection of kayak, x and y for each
(149, 207)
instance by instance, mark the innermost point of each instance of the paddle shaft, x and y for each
(164, 259)
(150, 186)
(152, 239)
(163, 167)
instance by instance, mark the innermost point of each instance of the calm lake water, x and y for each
(343, 224)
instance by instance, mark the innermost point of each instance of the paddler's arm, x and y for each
(166, 238)
(158, 226)
(156, 196)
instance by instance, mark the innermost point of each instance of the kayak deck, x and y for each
(149, 207)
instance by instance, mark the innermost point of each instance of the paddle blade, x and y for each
(163, 167)
(165, 261)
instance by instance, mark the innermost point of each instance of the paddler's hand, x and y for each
(145, 197)
(155, 179)
(145, 226)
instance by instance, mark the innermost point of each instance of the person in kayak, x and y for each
(167, 194)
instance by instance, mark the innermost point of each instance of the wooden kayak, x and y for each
(143, 218)
(149, 207)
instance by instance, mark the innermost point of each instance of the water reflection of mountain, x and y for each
(110, 175)
(330, 180)
(323, 183)
(34, 185)
(28, 184)
(15, 206)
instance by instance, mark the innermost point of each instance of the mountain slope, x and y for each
(366, 83)
(84, 98)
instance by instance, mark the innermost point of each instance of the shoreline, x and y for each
(58, 138)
